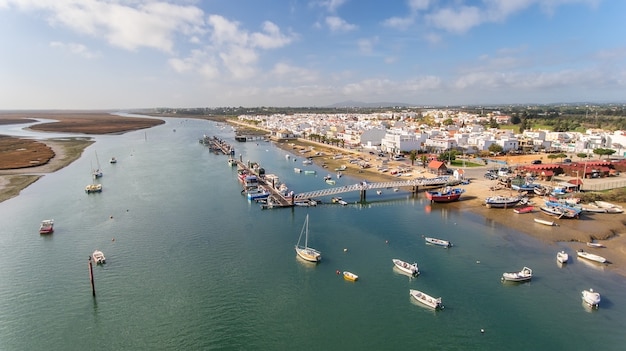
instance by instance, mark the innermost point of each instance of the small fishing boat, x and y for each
(98, 257)
(592, 244)
(527, 209)
(446, 195)
(426, 299)
(93, 188)
(590, 256)
(562, 257)
(545, 222)
(350, 276)
(47, 226)
(405, 267)
(524, 275)
(113, 160)
(591, 298)
(438, 242)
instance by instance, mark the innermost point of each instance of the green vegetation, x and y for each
(462, 164)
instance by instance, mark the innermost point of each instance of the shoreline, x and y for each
(574, 233)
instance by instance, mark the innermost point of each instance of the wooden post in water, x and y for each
(93, 286)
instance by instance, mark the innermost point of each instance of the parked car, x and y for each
(536, 162)
(491, 176)
(567, 160)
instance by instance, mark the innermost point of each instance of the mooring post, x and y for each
(93, 286)
(363, 195)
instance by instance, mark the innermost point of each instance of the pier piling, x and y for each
(93, 285)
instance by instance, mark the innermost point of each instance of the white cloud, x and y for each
(331, 5)
(337, 24)
(366, 45)
(456, 20)
(284, 71)
(417, 5)
(401, 23)
(74, 48)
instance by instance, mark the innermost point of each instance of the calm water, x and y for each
(195, 266)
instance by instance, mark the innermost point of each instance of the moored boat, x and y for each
(304, 251)
(590, 256)
(500, 201)
(597, 245)
(350, 276)
(113, 160)
(446, 195)
(560, 212)
(544, 222)
(93, 188)
(438, 242)
(524, 275)
(98, 257)
(527, 209)
(257, 193)
(405, 267)
(47, 226)
(591, 298)
(426, 299)
(562, 257)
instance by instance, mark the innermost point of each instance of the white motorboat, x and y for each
(590, 256)
(593, 244)
(562, 257)
(305, 252)
(98, 257)
(591, 298)
(405, 267)
(438, 242)
(426, 299)
(524, 275)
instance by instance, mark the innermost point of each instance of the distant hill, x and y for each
(362, 104)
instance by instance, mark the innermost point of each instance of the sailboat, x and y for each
(97, 172)
(305, 252)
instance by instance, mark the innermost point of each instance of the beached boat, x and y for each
(304, 251)
(591, 298)
(93, 188)
(527, 209)
(446, 195)
(524, 275)
(438, 242)
(604, 204)
(545, 222)
(592, 208)
(47, 226)
(560, 211)
(499, 201)
(98, 257)
(562, 257)
(350, 276)
(590, 256)
(405, 267)
(426, 299)
(592, 244)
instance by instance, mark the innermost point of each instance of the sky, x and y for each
(127, 54)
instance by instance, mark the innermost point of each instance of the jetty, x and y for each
(217, 145)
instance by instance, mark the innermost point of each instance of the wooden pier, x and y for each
(277, 198)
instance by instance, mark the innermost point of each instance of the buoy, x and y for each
(338, 272)
(113, 239)
(386, 241)
(477, 262)
(482, 330)
(111, 216)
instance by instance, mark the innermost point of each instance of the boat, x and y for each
(446, 195)
(47, 226)
(592, 208)
(438, 242)
(98, 257)
(350, 276)
(297, 170)
(562, 257)
(426, 299)
(330, 181)
(524, 275)
(559, 211)
(307, 162)
(405, 267)
(97, 172)
(592, 244)
(305, 252)
(93, 188)
(545, 222)
(309, 172)
(604, 204)
(257, 193)
(591, 298)
(113, 160)
(338, 200)
(499, 201)
(527, 209)
(232, 162)
(590, 256)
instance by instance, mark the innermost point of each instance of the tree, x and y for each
(424, 160)
(448, 122)
(582, 155)
(602, 151)
(495, 148)
(413, 156)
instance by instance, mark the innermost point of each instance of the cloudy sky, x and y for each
(118, 54)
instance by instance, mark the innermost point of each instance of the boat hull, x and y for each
(450, 195)
(591, 298)
(438, 242)
(309, 254)
(591, 257)
(524, 275)
(350, 276)
(405, 267)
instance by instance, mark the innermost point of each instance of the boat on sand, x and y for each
(590, 256)
(426, 299)
(545, 222)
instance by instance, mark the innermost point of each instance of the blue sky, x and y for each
(122, 54)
